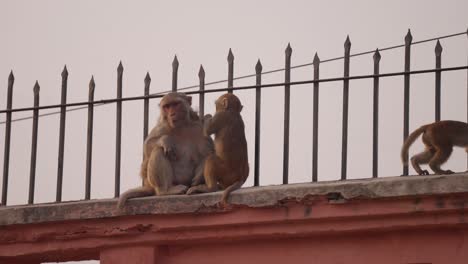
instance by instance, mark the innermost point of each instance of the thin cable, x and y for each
(253, 75)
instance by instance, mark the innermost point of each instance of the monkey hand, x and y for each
(425, 172)
(169, 151)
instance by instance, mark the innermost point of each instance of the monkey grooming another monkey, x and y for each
(439, 139)
(228, 167)
(174, 152)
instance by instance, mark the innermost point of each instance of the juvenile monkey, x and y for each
(228, 167)
(439, 139)
(174, 152)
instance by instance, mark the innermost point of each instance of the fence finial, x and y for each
(147, 78)
(65, 72)
(120, 67)
(288, 50)
(347, 43)
(438, 48)
(377, 55)
(230, 56)
(316, 60)
(201, 72)
(11, 77)
(408, 37)
(258, 67)
(36, 88)
(92, 84)
(175, 62)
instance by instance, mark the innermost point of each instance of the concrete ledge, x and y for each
(252, 197)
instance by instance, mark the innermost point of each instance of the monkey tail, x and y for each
(230, 189)
(133, 193)
(409, 141)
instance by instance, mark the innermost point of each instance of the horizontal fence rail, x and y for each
(287, 85)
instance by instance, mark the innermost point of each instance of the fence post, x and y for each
(63, 112)
(118, 132)
(258, 108)
(89, 142)
(344, 151)
(375, 126)
(408, 40)
(201, 96)
(316, 64)
(438, 54)
(230, 59)
(146, 106)
(287, 79)
(32, 169)
(6, 157)
(175, 68)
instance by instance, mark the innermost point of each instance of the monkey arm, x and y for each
(214, 124)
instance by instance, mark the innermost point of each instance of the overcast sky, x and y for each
(91, 37)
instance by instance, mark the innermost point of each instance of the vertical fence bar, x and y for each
(32, 169)
(175, 69)
(230, 59)
(375, 123)
(118, 132)
(6, 157)
(201, 96)
(146, 106)
(406, 106)
(287, 79)
(258, 108)
(316, 63)
(344, 151)
(467, 98)
(89, 142)
(438, 54)
(63, 112)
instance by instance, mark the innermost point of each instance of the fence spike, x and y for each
(258, 67)
(288, 50)
(11, 77)
(408, 37)
(65, 72)
(377, 55)
(147, 78)
(175, 62)
(316, 60)
(230, 57)
(347, 43)
(438, 48)
(120, 68)
(201, 72)
(36, 88)
(92, 84)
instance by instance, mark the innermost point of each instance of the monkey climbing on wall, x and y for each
(439, 139)
(228, 167)
(174, 152)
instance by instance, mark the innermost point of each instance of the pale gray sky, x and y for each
(91, 37)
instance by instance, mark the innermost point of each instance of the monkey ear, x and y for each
(240, 109)
(225, 103)
(189, 99)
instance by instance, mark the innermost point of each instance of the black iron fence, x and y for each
(376, 76)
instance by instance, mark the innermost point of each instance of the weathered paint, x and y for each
(408, 220)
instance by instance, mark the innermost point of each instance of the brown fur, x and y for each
(174, 152)
(439, 139)
(228, 168)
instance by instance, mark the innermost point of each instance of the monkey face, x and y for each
(174, 109)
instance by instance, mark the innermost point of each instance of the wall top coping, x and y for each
(253, 197)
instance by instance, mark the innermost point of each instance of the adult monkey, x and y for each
(174, 152)
(439, 139)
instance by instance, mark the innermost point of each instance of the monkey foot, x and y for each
(424, 172)
(448, 172)
(178, 189)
